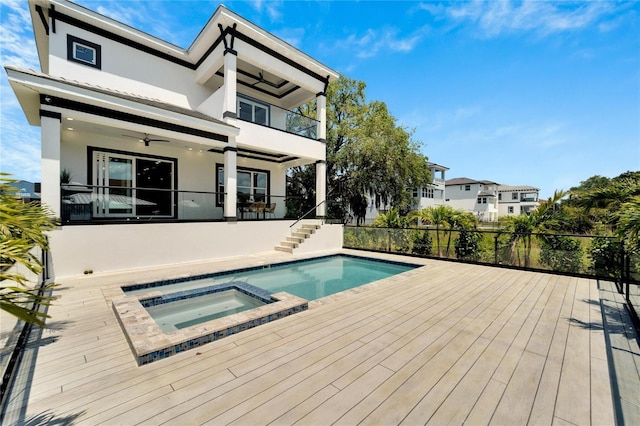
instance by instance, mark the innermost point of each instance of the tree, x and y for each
(22, 227)
(368, 155)
(438, 216)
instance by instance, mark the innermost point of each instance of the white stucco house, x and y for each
(432, 195)
(516, 200)
(167, 148)
(479, 197)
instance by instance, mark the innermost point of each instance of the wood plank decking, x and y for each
(445, 343)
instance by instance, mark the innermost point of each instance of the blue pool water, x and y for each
(309, 279)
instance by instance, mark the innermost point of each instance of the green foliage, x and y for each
(605, 257)
(22, 228)
(422, 243)
(392, 219)
(467, 245)
(368, 153)
(561, 253)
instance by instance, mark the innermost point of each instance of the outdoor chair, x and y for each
(270, 209)
(257, 208)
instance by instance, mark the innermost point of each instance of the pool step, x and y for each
(297, 237)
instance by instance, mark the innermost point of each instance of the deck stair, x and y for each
(297, 237)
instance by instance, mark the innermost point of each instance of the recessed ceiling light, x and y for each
(69, 118)
(190, 149)
(69, 128)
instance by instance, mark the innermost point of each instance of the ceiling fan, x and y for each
(146, 139)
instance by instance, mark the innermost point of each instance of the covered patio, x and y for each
(446, 343)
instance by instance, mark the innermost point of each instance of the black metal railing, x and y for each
(598, 257)
(82, 204)
(15, 345)
(289, 121)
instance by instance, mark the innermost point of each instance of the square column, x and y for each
(321, 116)
(50, 125)
(229, 109)
(230, 183)
(321, 188)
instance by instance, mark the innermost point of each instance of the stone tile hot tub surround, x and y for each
(149, 343)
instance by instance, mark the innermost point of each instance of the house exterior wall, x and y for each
(109, 248)
(458, 197)
(126, 69)
(525, 201)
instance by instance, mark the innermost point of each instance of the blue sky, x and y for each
(522, 93)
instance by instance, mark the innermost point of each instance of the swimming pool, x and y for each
(284, 288)
(309, 279)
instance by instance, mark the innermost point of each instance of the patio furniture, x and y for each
(257, 208)
(270, 209)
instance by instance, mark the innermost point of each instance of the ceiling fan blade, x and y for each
(158, 140)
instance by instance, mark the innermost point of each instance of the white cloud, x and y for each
(271, 8)
(293, 36)
(372, 42)
(494, 18)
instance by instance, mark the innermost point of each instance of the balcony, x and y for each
(274, 117)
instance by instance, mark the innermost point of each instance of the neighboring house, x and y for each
(161, 141)
(26, 191)
(479, 197)
(432, 195)
(515, 200)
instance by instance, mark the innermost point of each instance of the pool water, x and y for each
(309, 279)
(187, 312)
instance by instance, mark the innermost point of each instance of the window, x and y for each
(510, 210)
(499, 197)
(427, 192)
(415, 193)
(482, 200)
(253, 111)
(131, 185)
(253, 185)
(514, 195)
(467, 187)
(83, 52)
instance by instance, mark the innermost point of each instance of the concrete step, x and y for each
(284, 249)
(295, 239)
(312, 226)
(289, 244)
(302, 235)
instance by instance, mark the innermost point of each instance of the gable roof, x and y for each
(467, 181)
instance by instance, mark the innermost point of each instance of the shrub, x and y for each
(605, 257)
(561, 253)
(467, 245)
(422, 243)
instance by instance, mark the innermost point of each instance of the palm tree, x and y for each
(438, 216)
(22, 227)
(459, 220)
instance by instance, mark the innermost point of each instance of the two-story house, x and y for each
(160, 142)
(432, 195)
(479, 197)
(515, 200)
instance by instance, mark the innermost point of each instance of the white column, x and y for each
(229, 109)
(230, 183)
(321, 112)
(321, 187)
(50, 157)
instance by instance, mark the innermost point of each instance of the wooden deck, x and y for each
(445, 343)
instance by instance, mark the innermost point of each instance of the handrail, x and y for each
(304, 215)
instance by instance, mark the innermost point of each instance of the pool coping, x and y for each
(149, 343)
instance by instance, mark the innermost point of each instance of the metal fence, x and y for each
(599, 257)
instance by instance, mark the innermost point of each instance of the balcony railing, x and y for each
(288, 121)
(85, 204)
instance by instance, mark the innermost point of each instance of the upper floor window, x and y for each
(253, 111)
(83, 52)
(467, 187)
(499, 197)
(427, 192)
(514, 195)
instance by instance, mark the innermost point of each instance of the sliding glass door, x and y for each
(132, 186)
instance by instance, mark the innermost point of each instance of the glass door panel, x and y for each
(119, 174)
(158, 177)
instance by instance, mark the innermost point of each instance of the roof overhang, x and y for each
(36, 91)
